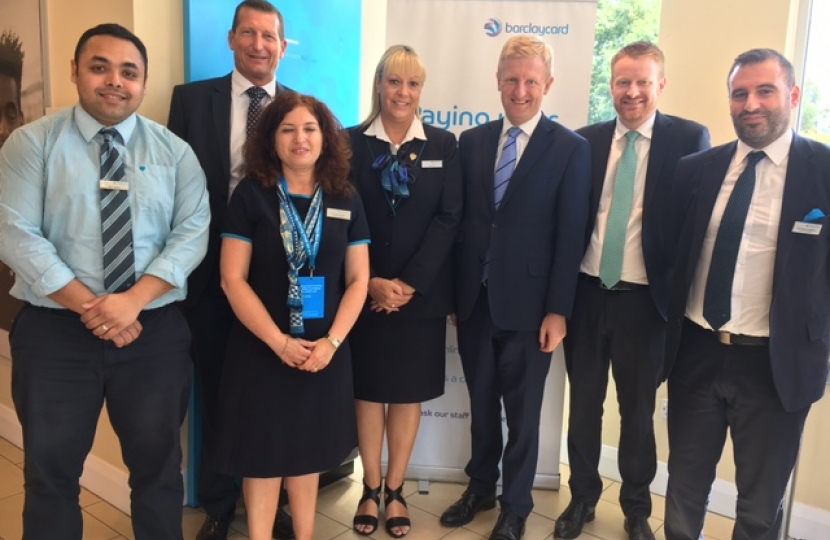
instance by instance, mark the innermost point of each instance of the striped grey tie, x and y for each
(116, 227)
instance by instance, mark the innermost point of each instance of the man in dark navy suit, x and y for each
(620, 309)
(526, 189)
(749, 310)
(213, 116)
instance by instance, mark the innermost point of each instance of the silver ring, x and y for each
(104, 326)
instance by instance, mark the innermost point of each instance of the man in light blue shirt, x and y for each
(72, 196)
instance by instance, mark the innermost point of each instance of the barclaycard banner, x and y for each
(459, 42)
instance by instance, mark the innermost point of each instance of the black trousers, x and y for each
(714, 388)
(622, 329)
(61, 377)
(210, 322)
(502, 365)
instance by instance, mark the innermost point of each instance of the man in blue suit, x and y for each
(622, 296)
(213, 117)
(526, 190)
(749, 311)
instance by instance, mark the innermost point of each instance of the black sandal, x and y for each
(393, 495)
(366, 519)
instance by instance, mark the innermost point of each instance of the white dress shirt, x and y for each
(752, 287)
(415, 131)
(239, 118)
(634, 266)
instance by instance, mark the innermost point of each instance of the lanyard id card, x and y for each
(314, 297)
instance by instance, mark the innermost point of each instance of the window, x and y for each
(814, 119)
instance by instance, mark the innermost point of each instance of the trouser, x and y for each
(62, 375)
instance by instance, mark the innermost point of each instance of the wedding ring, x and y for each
(314, 370)
(393, 305)
(106, 329)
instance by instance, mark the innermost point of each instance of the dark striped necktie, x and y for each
(116, 226)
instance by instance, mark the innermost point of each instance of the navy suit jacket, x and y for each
(536, 238)
(200, 113)
(799, 314)
(415, 242)
(672, 138)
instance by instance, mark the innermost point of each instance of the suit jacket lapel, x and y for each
(540, 140)
(221, 104)
(711, 179)
(660, 142)
(599, 165)
(797, 197)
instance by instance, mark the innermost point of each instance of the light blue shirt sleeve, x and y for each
(50, 215)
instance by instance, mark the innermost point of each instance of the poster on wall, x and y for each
(459, 42)
(21, 97)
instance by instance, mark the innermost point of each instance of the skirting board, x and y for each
(807, 522)
(104, 480)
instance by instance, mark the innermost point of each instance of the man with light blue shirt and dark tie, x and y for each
(103, 216)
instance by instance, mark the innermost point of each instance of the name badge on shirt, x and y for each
(432, 164)
(314, 297)
(802, 227)
(339, 213)
(117, 185)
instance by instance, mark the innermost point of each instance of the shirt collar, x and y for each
(645, 130)
(776, 151)
(527, 128)
(415, 131)
(240, 85)
(89, 127)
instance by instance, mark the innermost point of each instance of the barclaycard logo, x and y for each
(492, 27)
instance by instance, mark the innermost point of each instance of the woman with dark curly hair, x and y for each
(295, 268)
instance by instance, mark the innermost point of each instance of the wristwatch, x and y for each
(334, 341)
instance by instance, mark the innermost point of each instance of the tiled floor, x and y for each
(336, 507)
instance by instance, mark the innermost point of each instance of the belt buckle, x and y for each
(725, 338)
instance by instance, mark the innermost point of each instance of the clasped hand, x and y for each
(113, 317)
(305, 355)
(389, 295)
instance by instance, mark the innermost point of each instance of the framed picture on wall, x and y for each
(22, 94)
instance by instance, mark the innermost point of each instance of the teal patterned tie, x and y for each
(616, 230)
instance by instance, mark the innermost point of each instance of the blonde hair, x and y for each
(527, 47)
(400, 59)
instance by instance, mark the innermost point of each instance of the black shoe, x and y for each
(283, 525)
(394, 495)
(369, 520)
(465, 509)
(569, 524)
(638, 528)
(215, 527)
(510, 526)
